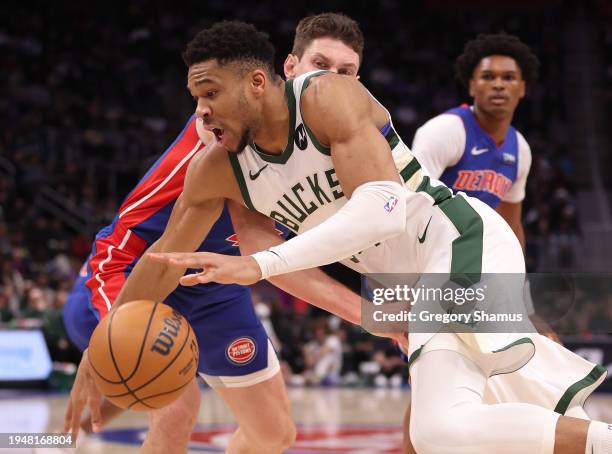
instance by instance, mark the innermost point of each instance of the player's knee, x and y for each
(442, 434)
(175, 422)
(278, 436)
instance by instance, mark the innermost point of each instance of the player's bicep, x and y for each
(199, 205)
(340, 113)
(362, 158)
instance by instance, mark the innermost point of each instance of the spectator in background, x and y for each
(323, 354)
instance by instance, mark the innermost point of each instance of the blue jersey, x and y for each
(484, 170)
(141, 220)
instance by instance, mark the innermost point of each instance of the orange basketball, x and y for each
(143, 355)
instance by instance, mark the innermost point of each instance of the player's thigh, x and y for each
(234, 347)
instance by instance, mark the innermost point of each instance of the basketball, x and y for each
(143, 355)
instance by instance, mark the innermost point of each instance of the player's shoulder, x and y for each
(329, 88)
(521, 140)
(209, 175)
(210, 162)
(443, 123)
(524, 149)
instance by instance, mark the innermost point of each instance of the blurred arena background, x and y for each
(91, 94)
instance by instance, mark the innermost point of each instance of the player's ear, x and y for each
(289, 66)
(258, 82)
(523, 87)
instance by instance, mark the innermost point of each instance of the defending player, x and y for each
(326, 172)
(219, 314)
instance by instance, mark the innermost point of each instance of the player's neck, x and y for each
(272, 136)
(496, 127)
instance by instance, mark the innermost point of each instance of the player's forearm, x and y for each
(318, 289)
(187, 227)
(375, 212)
(312, 286)
(150, 280)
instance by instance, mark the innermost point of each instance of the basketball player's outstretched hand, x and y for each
(84, 393)
(220, 268)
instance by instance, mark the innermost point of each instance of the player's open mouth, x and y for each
(218, 132)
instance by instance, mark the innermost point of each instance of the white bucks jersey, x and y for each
(300, 189)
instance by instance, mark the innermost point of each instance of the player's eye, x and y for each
(211, 93)
(322, 65)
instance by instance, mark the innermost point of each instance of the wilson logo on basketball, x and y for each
(165, 339)
(242, 350)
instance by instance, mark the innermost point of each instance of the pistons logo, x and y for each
(241, 351)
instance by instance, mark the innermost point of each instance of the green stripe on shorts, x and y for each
(571, 392)
(466, 259)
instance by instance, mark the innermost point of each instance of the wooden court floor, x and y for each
(330, 420)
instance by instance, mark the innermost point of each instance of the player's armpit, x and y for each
(342, 114)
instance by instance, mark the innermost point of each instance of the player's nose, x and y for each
(203, 111)
(498, 83)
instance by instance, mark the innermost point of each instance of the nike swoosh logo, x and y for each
(253, 176)
(422, 238)
(476, 151)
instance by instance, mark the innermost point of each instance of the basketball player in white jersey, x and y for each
(475, 149)
(325, 41)
(309, 153)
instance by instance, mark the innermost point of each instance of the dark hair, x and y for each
(328, 25)
(496, 44)
(231, 41)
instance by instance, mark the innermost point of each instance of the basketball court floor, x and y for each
(330, 420)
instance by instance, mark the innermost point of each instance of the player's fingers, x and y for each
(76, 420)
(68, 417)
(188, 260)
(196, 278)
(94, 409)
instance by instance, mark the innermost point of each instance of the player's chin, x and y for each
(499, 110)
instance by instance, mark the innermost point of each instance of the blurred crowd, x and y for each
(607, 44)
(91, 95)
